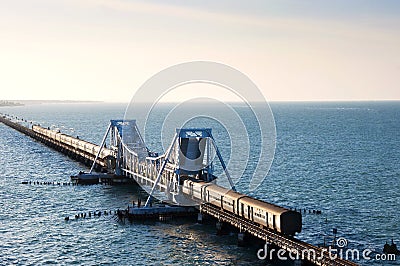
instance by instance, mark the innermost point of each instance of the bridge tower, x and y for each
(126, 141)
(191, 155)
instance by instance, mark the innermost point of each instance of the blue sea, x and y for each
(342, 158)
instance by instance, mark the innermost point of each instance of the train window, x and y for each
(273, 222)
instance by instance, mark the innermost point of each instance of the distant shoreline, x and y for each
(10, 103)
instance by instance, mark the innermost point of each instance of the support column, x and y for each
(200, 218)
(221, 228)
(242, 239)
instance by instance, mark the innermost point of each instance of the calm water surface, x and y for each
(341, 158)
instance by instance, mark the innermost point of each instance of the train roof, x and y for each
(263, 205)
(219, 188)
(248, 200)
(235, 194)
(226, 192)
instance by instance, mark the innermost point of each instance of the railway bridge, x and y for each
(184, 175)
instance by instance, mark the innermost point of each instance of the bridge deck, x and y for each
(74, 147)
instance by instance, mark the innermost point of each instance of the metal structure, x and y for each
(190, 155)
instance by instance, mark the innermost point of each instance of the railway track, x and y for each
(298, 248)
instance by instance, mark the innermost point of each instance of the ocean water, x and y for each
(342, 158)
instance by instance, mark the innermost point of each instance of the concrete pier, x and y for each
(162, 213)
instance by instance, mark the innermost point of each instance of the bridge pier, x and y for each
(221, 228)
(200, 218)
(242, 239)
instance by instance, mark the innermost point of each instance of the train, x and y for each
(76, 143)
(267, 215)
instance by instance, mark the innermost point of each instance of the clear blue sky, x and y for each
(293, 50)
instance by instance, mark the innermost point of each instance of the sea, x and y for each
(341, 158)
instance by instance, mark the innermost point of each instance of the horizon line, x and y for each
(166, 102)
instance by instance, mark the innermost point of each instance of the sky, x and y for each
(292, 50)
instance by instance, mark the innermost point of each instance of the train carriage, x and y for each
(215, 195)
(270, 215)
(265, 214)
(196, 189)
(230, 201)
